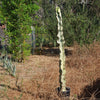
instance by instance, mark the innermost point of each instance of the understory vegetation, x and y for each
(81, 24)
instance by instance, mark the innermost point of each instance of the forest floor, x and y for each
(37, 78)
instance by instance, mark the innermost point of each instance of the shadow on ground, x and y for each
(91, 92)
(16, 89)
(52, 52)
(37, 96)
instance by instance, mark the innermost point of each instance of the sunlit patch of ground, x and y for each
(38, 77)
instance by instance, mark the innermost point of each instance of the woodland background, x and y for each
(81, 22)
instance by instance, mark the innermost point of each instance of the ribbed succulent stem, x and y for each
(61, 43)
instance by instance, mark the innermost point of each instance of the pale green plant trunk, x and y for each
(61, 43)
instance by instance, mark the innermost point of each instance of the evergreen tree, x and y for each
(18, 16)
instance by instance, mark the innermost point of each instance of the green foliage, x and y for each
(81, 22)
(17, 15)
(50, 22)
(41, 36)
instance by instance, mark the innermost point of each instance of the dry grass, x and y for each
(38, 77)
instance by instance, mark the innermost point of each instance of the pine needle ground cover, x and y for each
(38, 76)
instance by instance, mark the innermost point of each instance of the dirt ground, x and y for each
(37, 78)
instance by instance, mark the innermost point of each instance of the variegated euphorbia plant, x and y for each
(61, 43)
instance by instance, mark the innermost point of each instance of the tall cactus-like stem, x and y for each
(61, 43)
